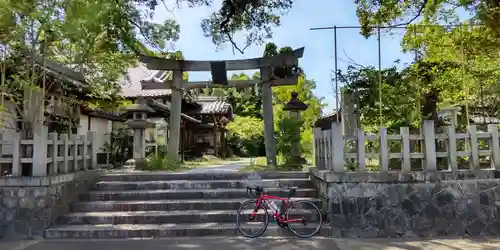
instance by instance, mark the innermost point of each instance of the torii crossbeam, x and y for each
(269, 78)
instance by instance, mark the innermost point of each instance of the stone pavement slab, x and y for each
(264, 243)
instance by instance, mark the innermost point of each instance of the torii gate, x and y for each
(269, 78)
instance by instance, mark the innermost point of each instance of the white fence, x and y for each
(49, 154)
(332, 148)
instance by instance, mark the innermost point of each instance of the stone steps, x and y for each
(107, 231)
(200, 184)
(162, 217)
(148, 205)
(165, 205)
(157, 176)
(167, 194)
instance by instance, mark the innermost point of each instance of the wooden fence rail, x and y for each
(48, 154)
(333, 150)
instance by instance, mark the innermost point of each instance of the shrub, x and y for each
(160, 162)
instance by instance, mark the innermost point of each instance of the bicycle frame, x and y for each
(266, 198)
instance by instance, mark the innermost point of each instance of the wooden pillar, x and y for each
(215, 135)
(223, 143)
(267, 105)
(181, 143)
(155, 138)
(175, 117)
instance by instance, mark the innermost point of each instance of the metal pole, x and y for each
(336, 70)
(379, 76)
(419, 92)
(392, 27)
(464, 75)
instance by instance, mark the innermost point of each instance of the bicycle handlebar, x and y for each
(255, 191)
(258, 190)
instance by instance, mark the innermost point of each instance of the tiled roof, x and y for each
(132, 86)
(112, 115)
(132, 81)
(213, 105)
(216, 107)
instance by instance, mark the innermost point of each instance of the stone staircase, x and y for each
(145, 205)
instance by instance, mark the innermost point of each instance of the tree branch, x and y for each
(351, 61)
(139, 28)
(419, 13)
(229, 9)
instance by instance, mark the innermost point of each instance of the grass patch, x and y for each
(209, 160)
(254, 168)
(259, 164)
(160, 162)
(260, 161)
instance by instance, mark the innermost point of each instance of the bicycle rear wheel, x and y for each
(253, 229)
(304, 218)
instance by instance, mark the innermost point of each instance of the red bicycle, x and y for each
(284, 214)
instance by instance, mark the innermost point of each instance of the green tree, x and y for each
(72, 32)
(246, 136)
(398, 12)
(246, 101)
(397, 91)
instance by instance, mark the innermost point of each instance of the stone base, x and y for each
(30, 204)
(140, 164)
(412, 209)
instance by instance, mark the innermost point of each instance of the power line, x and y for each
(394, 27)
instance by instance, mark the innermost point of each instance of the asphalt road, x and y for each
(236, 243)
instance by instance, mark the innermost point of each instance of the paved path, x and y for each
(235, 243)
(225, 167)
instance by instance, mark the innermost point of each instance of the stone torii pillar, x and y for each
(268, 112)
(174, 123)
(220, 80)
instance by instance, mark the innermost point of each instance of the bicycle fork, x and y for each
(254, 213)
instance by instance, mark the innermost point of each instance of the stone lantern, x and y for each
(295, 107)
(138, 123)
(452, 113)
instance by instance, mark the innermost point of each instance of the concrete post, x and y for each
(39, 149)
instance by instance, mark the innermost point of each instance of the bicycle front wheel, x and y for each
(257, 225)
(304, 218)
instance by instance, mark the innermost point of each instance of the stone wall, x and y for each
(466, 203)
(30, 204)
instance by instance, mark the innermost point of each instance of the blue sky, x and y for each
(318, 60)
